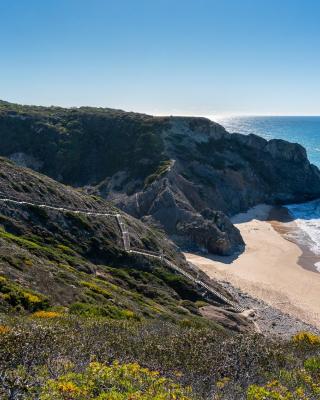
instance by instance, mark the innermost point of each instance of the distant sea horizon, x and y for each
(304, 130)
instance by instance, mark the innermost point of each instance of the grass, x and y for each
(163, 167)
(117, 292)
(59, 253)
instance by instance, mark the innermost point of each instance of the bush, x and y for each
(97, 289)
(4, 329)
(296, 384)
(215, 363)
(306, 339)
(88, 310)
(14, 297)
(161, 170)
(114, 382)
(80, 221)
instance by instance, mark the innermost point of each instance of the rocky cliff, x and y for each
(212, 170)
(184, 175)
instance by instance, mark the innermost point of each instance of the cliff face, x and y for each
(186, 175)
(212, 170)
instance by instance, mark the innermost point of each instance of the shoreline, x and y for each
(282, 222)
(271, 321)
(273, 268)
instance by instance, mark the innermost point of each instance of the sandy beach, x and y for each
(269, 269)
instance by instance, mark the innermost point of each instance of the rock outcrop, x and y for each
(228, 320)
(215, 170)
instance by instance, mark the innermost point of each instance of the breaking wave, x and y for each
(307, 218)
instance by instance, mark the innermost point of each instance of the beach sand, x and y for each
(270, 267)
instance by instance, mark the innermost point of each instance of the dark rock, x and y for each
(228, 319)
(216, 235)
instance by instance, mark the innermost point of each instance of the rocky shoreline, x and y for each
(271, 321)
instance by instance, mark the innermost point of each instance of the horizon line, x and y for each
(218, 115)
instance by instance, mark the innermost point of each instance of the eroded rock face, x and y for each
(215, 170)
(174, 204)
(208, 236)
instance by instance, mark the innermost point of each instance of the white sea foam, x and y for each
(307, 218)
(317, 265)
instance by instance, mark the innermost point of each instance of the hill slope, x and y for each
(185, 174)
(54, 257)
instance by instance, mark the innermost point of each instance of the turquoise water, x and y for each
(303, 130)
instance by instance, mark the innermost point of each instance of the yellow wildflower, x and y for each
(46, 314)
(4, 329)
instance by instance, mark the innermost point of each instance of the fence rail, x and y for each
(127, 245)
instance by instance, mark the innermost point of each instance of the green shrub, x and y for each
(303, 339)
(161, 170)
(88, 310)
(78, 220)
(295, 384)
(97, 289)
(114, 382)
(214, 362)
(17, 298)
(189, 305)
(106, 310)
(40, 212)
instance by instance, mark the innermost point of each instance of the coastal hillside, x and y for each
(93, 298)
(185, 175)
(60, 247)
(80, 312)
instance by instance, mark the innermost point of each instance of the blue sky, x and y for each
(193, 57)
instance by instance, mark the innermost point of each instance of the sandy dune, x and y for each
(268, 269)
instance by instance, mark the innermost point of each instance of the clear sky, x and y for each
(198, 57)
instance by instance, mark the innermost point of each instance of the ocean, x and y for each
(302, 130)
